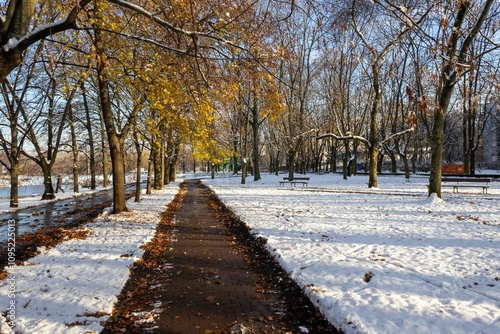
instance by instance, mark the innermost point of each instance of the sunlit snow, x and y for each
(385, 260)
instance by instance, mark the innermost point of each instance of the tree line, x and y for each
(300, 80)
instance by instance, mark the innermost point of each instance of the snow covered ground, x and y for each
(72, 288)
(31, 190)
(387, 260)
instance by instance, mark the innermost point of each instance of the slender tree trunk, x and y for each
(277, 163)
(138, 150)
(88, 126)
(291, 164)
(373, 148)
(149, 184)
(166, 171)
(256, 144)
(347, 157)
(105, 179)
(243, 171)
(157, 163)
(173, 168)
(472, 170)
(333, 159)
(14, 182)
(74, 149)
(14, 165)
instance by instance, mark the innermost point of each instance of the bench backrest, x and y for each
(465, 179)
(296, 179)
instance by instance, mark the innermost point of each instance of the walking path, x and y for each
(208, 282)
(211, 283)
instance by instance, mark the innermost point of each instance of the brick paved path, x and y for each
(208, 279)
(211, 285)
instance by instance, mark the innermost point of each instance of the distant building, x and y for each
(491, 137)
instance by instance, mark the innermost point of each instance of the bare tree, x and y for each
(460, 24)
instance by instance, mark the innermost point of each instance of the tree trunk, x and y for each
(105, 180)
(373, 149)
(14, 164)
(115, 140)
(345, 163)
(243, 171)
(406, 165)
(138, 150)
(74, 149)
(88, 126)
(173, 168)
(277, 163)
(48, 192)
(291, 164)
(472, 170)
(166, 170)
(436, 143)
(157, 163)
(256, 144)
(14, 182)
(448, 79)
(118, 163)
(333, 159)
(8, 62)
(150, 174)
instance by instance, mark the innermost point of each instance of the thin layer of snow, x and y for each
(31, 190)
(72, 288)
(385, 260)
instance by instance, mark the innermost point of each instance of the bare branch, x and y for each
(345, 137)
(396, 135)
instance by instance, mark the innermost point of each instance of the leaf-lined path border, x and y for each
(204, 272)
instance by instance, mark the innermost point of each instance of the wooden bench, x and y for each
(293, 182)
(467, 182)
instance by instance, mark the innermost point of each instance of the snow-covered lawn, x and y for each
(72, 288)
(389, 260)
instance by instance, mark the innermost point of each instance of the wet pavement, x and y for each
(62, 213)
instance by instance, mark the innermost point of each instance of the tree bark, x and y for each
(48, 192)
(14, 184)
(74, 149)
(373, 149)
(149, 183)
(173, 168)
(105, 179)
(157, 163)
(138, 150)
(166, 170)
(88, 126)
(256, 143)
(291, 164)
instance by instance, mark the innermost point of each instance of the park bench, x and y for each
(470, 182)
(293, 182)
